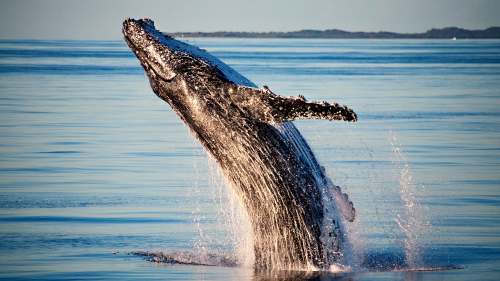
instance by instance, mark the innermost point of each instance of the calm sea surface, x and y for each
(93, 166)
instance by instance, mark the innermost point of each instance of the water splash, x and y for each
(400, 207)
(411, 217)
(231, 233)
(233, 217)
(201, 258)
(391, 223)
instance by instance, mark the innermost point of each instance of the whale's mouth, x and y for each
(138, 32)
(152, 69)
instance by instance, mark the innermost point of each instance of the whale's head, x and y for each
(151, 48)
(163, 57)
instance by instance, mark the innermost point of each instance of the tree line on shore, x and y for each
(444, 33)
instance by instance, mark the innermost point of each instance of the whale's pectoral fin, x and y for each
(265, 106)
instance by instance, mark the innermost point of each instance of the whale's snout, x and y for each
(150, 46)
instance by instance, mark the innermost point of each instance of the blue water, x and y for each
(93, 166)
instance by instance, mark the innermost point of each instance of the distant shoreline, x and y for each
(444, 33)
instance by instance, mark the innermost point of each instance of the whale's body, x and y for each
(245, 129)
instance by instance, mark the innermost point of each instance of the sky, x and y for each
(102, 19)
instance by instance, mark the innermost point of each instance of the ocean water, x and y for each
(94, 167)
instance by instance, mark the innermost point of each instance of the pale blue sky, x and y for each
(103, 18)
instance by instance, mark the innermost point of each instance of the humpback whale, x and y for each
(292, 206)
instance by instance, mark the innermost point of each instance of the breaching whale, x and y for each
(293, 207)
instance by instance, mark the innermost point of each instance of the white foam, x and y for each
(339, 268)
